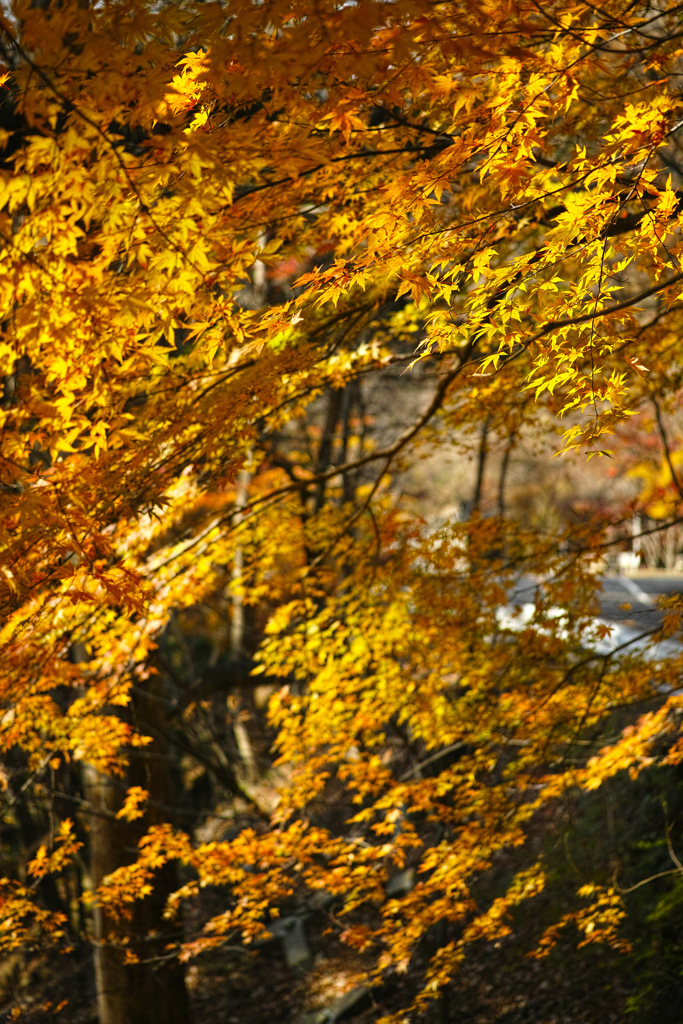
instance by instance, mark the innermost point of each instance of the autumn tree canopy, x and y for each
(235, 235)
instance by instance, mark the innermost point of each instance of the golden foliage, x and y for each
(496, 183)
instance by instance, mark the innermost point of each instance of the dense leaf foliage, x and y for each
(222, 224)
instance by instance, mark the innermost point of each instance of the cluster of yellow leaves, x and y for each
(659, 482)
(24, 923)
(450, 161)
(426, 658)
(599, 922)
(66, 845)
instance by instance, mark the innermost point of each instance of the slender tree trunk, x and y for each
(324, 460)
(482, 456)
(105, 856)
(238, 634)
(505, 466)
(153, 989)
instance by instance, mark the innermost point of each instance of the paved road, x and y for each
(627, 604)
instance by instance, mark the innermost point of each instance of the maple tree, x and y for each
(221, 223)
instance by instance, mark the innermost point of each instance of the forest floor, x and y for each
(498, 984)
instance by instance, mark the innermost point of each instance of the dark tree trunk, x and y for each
(154, 987)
